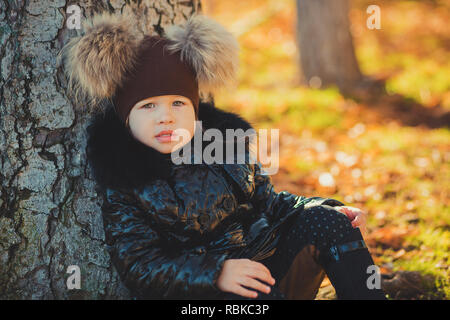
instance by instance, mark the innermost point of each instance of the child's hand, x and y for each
(238, 272)
(356, 216)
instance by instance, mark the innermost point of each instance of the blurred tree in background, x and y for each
(326, 45)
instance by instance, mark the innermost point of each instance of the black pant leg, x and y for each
(319, 226)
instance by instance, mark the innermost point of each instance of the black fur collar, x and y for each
(118, 160)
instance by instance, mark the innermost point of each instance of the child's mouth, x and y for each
(165, 137)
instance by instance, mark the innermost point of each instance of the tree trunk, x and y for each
(50, 214)
(326, 49)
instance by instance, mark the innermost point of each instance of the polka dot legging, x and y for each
(321, 226)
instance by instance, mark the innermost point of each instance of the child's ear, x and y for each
(127, 126)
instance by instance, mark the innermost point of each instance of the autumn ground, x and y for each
(387, 154)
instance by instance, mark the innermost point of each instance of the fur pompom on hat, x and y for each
(209, 48)
(96, 63)
(113, 61)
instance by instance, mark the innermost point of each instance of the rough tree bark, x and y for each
(327, 55)
(49, 208)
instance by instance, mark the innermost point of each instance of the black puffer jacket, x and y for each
(170, 228)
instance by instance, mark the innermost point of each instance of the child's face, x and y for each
(155, 114)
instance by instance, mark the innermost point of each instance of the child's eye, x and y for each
(181, 102)
(145, 106)
(151, 105)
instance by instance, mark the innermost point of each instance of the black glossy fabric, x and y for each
(170, 228)
(320, 226)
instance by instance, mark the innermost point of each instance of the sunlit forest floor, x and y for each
(388, 156)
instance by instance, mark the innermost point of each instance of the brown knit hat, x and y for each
(157, 72)
(114, 61)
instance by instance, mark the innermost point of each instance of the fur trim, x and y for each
(97, 62)
(118, 160)
(210, 49)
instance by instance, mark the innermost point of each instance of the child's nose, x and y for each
(166, 114)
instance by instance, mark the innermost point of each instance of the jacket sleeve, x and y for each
(147, 267)
(278, 206)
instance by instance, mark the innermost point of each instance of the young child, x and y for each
(194, 231)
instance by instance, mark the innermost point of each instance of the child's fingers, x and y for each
(244, 292)
(354, 214)
(263, 272)
(259, 265)
(359, 221)
(260, 274)
(255, 284)
(351, 215)
(356, 222)
(344, 210)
